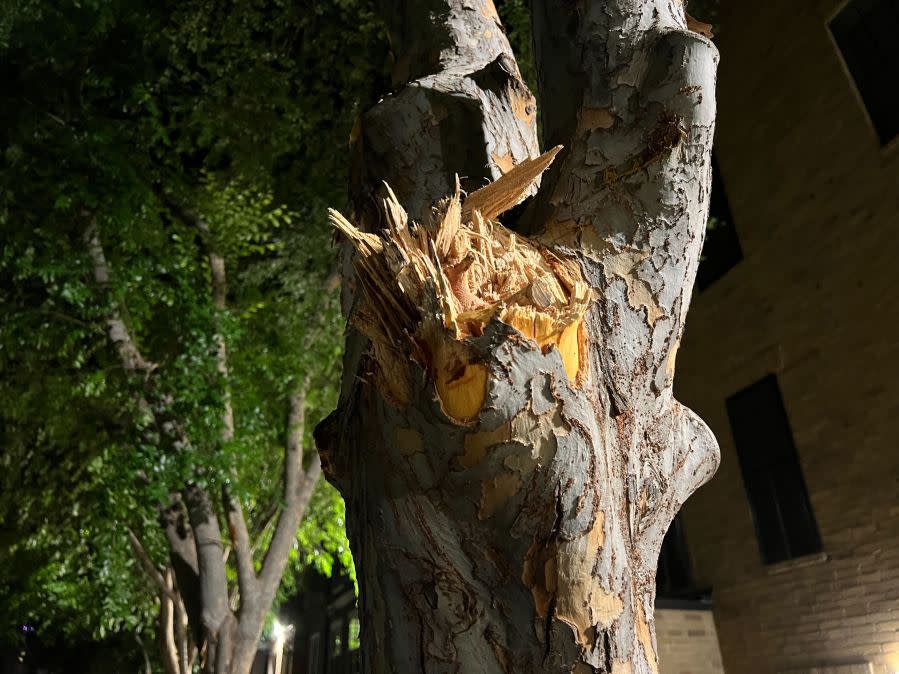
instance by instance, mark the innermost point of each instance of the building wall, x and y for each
(687, 643)
(815, 201)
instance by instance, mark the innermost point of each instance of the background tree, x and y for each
(149, 147)
(507, 440)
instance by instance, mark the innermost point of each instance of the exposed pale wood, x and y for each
(517, 528)
(426, 287)
(509, 190)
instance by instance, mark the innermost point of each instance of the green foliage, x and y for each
(112, 111)
(516, 18)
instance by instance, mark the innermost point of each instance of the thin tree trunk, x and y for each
(216, 619)
(165, 635)
(183, 643)
(183, 560)
(512, 460)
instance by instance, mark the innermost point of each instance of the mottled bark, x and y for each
(460, 106)
(524, 537)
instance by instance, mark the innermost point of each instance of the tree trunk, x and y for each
(195, 597)
(165, 635)
(511, 459)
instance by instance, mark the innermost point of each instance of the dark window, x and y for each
(721, 249)
(674, 577)
(784, 522)
(865, 31)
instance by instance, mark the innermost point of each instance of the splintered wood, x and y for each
(427, 288)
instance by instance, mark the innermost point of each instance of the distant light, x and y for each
(279, 631)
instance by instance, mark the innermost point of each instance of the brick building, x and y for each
(791, 353)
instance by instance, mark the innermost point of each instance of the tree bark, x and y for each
(216, 619)
(168, 646)
(508, 486)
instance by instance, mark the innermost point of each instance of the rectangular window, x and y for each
(783, 517)
(721, 249)
(865, 33)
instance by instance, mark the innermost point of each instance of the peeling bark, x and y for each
(515, 524)
(460, 106)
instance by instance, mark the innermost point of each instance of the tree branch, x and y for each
(298, 487)
(243, 550)
(183, 554)
(237, 526)
(219, 294)
(125, 345)
(166, 631)
(148, 668)
(129, 354)
(460, 107)
(148, 566)
(264, 521)
(219, 298)
(631, 194)
(182, 549)
(183, 641)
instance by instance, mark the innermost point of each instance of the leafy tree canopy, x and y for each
(139, 118)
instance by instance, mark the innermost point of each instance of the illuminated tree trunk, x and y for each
(507, 440)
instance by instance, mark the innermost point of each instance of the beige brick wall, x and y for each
(687, 642)
(816, 300)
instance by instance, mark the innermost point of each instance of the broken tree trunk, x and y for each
(507, 440)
